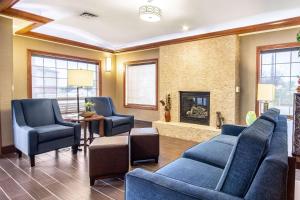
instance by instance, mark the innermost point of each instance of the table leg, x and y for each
(91, 132)
(84, 136)
(101, 128)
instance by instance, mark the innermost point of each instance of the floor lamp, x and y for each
(80, 78)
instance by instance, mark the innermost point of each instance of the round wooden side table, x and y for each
(86, 122)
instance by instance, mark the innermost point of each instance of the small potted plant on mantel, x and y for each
(166, 103)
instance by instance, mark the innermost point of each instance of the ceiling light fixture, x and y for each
(150, 13)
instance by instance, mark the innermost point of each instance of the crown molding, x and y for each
(235, 31)
(5, 4)
(63, 41)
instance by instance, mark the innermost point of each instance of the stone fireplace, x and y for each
(201, 77)
(195, 107)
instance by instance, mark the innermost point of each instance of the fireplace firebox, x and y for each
(194, 107)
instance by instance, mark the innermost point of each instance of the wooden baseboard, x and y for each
(8, 149)
(142, 123)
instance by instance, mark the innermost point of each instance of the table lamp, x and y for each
(265, 94)
(80, 78)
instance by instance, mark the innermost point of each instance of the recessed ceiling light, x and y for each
(185, 28)
(150, 13)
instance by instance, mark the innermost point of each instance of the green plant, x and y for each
(298, 36)
(166, 102)
(88, 106)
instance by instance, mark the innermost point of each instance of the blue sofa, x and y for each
(114, 123)
(248, 163)
(38, 127)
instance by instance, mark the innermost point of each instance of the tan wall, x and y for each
(248, 46)
(207, 65)
(21, 44)
(6, 75)
(146, 115)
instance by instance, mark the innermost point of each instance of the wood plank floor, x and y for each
(65, 176)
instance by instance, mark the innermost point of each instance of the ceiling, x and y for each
(119, 26)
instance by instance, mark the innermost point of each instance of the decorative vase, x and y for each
(219, 120)
(167, 116)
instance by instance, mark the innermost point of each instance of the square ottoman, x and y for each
(144, 144)
(108, 157)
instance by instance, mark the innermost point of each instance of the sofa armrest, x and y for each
(141, 184)
(25, 139)
(232, 129)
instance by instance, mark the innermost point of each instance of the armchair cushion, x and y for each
(38, 112)
(192, 172)
(53, 132)
(117, 120)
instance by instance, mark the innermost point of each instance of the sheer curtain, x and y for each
(141, 84)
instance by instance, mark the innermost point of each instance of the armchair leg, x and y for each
(92, 181)
(19, 153)
(32, 161)
(74, 149)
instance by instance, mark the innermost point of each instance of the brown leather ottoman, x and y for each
(108, 157)
(144, 144)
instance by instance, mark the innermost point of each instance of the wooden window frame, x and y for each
(261, 49)
(141, 106)
(31, 53)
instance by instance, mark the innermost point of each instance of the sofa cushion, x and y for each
(192, 172)
(227, 139)
(38, 112)
(53, 132)
(211, 152)
(117, 121)
(272, 173)
(271, 115)
(245, 158)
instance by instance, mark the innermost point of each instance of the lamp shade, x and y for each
(80, 78)
(265, 92)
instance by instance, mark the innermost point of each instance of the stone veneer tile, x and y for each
(207, 65)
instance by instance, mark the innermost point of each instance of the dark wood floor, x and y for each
(65, 176)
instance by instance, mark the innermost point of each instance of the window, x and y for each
(280, 67)
(141, 84)
(49, 75)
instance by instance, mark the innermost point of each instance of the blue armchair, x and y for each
(38, 127)
(114, 123)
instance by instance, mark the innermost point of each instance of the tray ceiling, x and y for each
(118, 24)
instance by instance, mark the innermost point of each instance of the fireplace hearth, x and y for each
(194, 107)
